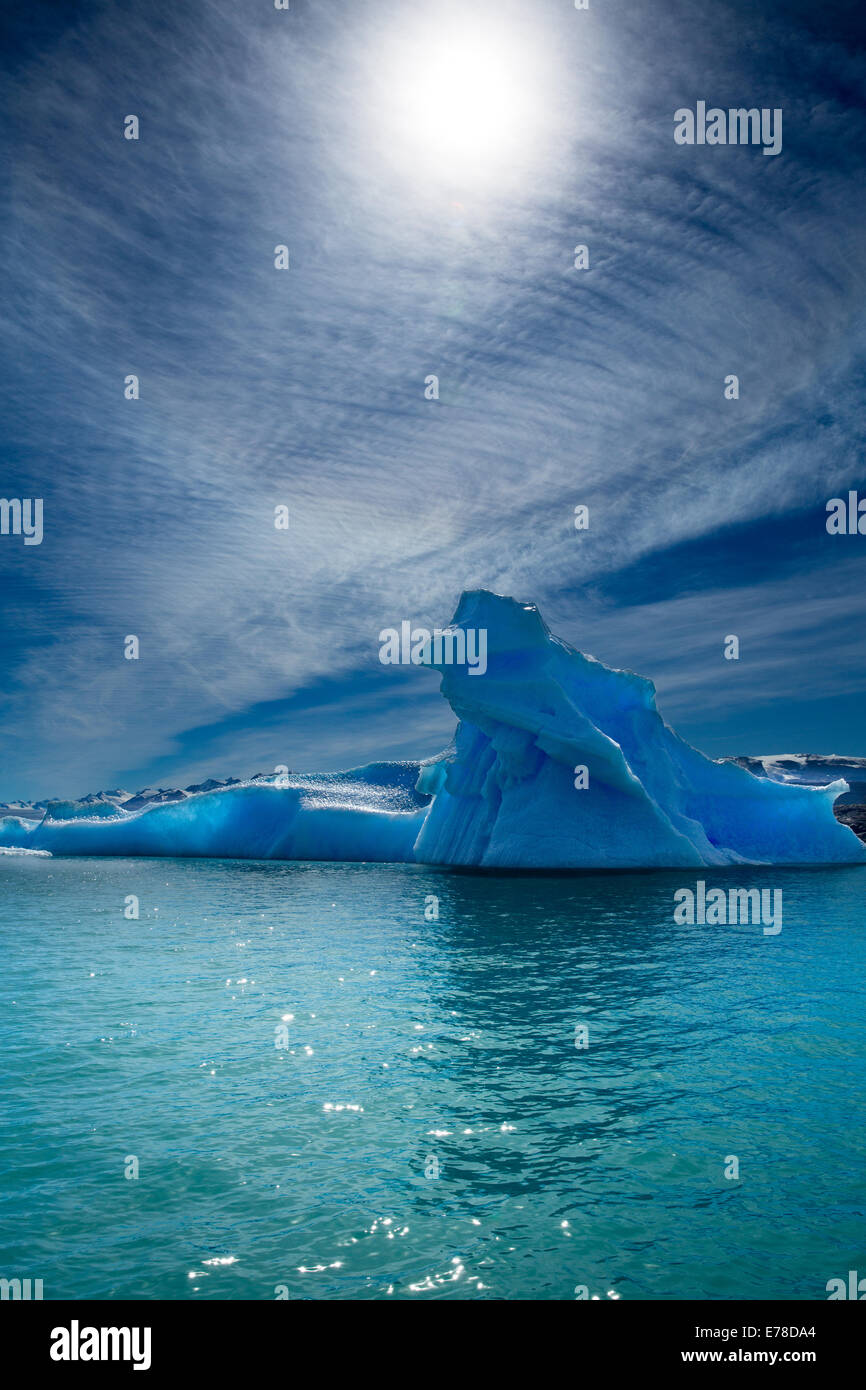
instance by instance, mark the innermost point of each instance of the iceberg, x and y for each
(372, 813)
(545, 717)
(558, 762)
(812, 769)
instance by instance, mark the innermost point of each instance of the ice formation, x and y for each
(558, 762)
(371, 813)
(542, 711)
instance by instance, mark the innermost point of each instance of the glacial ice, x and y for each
(506, 795)
(507, 798)
(370, 813)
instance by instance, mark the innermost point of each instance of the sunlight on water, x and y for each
(327, 1095)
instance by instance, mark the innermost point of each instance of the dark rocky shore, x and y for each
(853, 816)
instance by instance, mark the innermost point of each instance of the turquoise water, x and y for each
(303, 1168)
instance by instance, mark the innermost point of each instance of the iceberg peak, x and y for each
(563, 762)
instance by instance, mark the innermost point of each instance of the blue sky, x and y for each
(409, 256)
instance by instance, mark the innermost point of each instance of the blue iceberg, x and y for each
(545, 717)
(370, 813)
(558, 762)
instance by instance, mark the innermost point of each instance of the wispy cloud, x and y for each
(306, 387)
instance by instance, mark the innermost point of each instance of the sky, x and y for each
(431, 169)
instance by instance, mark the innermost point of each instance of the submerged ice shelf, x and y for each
(558, 762)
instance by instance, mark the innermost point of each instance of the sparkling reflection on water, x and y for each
(429, 1129)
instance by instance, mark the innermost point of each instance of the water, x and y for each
(302, 1169)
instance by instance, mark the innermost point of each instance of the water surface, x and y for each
(415, 1045)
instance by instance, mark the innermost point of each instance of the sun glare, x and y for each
(460, 103)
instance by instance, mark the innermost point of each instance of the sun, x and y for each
(459, 102)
